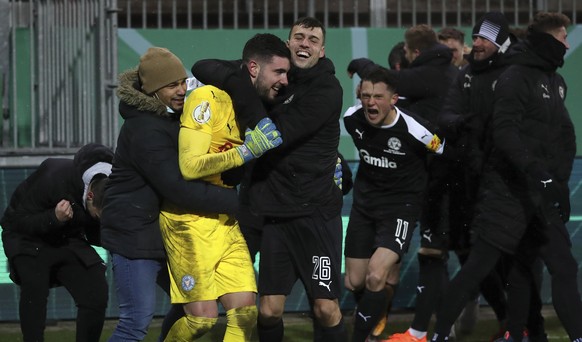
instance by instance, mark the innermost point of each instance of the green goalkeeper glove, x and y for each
(259, 140)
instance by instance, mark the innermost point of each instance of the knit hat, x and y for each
(157, 68)
(493, 26)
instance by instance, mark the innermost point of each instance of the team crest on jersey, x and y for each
(187, 282)
(394, 144)
(201, 113)
(493, 85)
(561, 92)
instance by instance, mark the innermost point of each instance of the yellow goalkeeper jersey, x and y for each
(208, 134)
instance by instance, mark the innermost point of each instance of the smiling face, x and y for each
(483, 48)
(378, 102)
(306, 46)
(173, 95)
(270, 76)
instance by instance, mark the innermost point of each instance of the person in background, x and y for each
(467, 106)
(145, 173)
(455, 40)
(47, 231)
(523, 191)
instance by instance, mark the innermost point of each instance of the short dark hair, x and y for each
(263, 47)
(420, 37)
(397, 55)
(382, 75)
(97, 187)
(452, 33)
(549, 21)
(308, 22)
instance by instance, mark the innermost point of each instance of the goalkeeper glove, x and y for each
(259, 140)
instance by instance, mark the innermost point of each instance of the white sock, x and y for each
(416, 333)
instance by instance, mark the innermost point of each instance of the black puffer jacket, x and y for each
(295, 179)
(145, 173)
(466, 117)
(29, 222)
(426, 81)
(531, 131)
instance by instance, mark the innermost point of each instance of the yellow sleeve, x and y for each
(208, 135)
(196, 162)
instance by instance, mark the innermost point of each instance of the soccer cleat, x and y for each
(507, 337)
(379, 328)
(405, 337)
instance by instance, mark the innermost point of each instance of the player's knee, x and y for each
(376, 280)
(269, 315)
(327, 312)
(189, 328)
(241, 321)
(351, 285)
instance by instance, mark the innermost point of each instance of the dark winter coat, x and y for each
(294, 179)
(426, 81)
(531, 131)
(29, 222)
(145, 173)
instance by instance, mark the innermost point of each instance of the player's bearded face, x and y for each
(272, 78)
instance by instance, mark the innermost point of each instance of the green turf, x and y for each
(297, 329)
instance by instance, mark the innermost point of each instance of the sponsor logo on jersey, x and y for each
(561, 92)
(187, 282)
(382, 162)
(201, 113)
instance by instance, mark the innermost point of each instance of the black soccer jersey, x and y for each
(392, 165)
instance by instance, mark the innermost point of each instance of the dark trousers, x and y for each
(87, 286)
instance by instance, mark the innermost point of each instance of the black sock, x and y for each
(369, 311)
(391, 290)
(272, 333)
(431, 282)
(336, 333)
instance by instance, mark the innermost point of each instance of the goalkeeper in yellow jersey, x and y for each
(208, 258)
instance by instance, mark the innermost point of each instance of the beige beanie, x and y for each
(158, 67)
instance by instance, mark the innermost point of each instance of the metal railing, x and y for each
(255, 14)
(60, 84)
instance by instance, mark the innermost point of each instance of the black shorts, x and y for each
(306, 248)
(391, 227)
